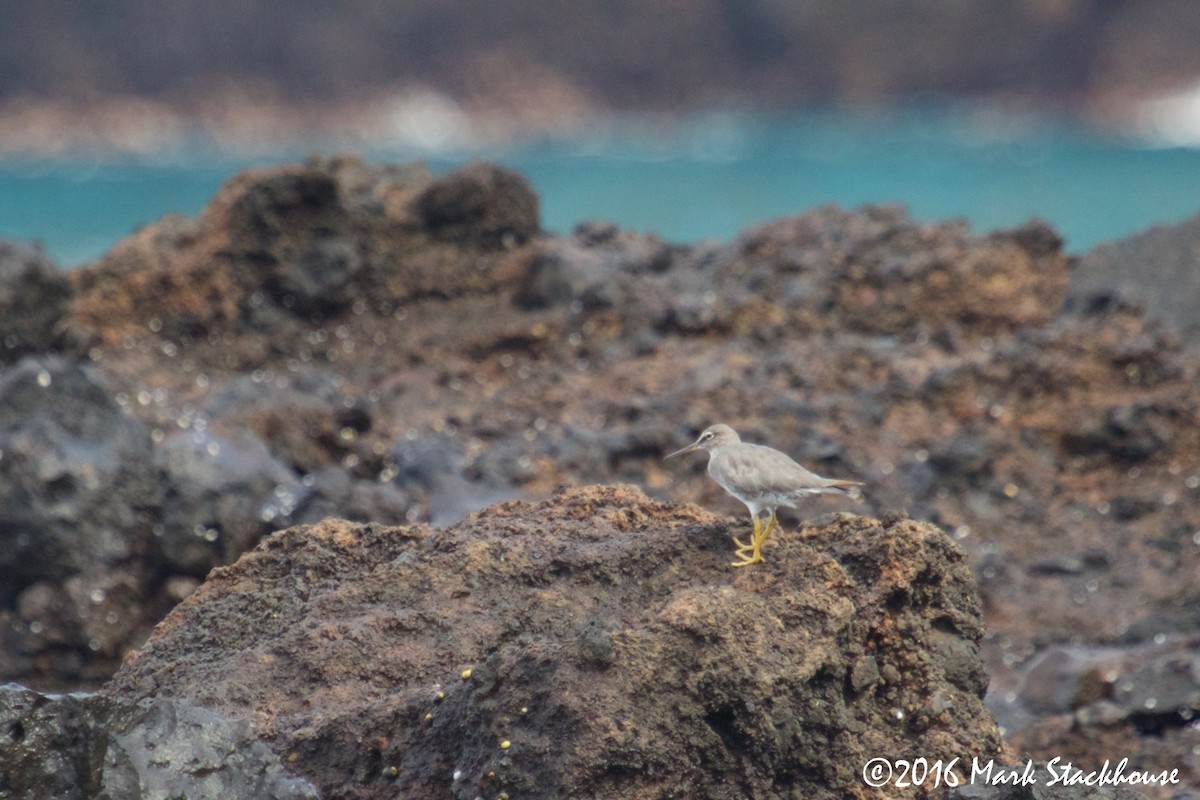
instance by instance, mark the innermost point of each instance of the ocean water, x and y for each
(709, 177)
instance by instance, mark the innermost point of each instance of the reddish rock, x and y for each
(597, 644)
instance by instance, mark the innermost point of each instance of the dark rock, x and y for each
(84, 746)
(34, 294)
(962, 458)
(78, 490)
(864, 674)
(480, 204)
(309, 421)
(223, 494)
(423, 462)
(1055, 680)
(291, 229)
(1164, 692)
(1131, 433)
(591, 268)
(1117, 268)
(572, 616)
(48, 745)
(435, 469)
(171, 749)
(1127, 507)
(332, 492)
(1094, 560)
(876, 271)
(279, 248)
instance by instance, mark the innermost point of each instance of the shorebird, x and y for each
(762, 478)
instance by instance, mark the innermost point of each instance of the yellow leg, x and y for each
(755, 546)
(749, 553)
(757, 532)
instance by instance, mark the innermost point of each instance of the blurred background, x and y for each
(689, 118)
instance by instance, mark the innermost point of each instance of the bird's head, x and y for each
(713, 437)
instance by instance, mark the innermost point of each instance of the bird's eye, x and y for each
(706, 436)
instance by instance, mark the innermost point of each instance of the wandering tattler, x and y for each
(762, 478)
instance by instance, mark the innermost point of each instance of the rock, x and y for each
(1061, 450)
(47, 745)
(34, 295)
(167, 749)
(876, 271)
(333, 493)
(286, 245)
(1130, 433)
(590, 268)
(83, 746)
(962, 457)
(1058, 678)
(309, 421)
(1164, 692)
(79, 498)
(78, 491)
(434, 468)
(481, 204)
(223, 495)
(589, 645)
(1115, 268)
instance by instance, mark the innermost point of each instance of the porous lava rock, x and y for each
(596, 644)
(286, 245)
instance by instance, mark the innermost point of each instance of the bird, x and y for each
(762, 478)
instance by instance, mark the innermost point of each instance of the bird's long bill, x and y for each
(691, 448)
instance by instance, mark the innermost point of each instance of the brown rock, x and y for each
(612, 653)
(482, 204)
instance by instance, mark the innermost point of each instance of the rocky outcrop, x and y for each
(306, 243)
(596, 644)
(460, 358)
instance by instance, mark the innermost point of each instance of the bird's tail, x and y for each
(844, 487)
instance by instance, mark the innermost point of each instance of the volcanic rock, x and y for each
(78, 497)
(1118, 272)
(596, 644)
(462, 356)
(223, 495)
(480, 204)
(34, 296)
(74, 747)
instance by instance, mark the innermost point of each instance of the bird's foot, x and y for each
(752, 553)
(743, 548)
(746, 559)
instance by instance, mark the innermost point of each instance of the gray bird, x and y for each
(762, 478)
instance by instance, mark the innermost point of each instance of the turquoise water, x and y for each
(710, 177)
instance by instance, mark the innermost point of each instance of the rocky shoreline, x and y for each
(335, 339)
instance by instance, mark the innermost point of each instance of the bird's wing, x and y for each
(762, 469)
